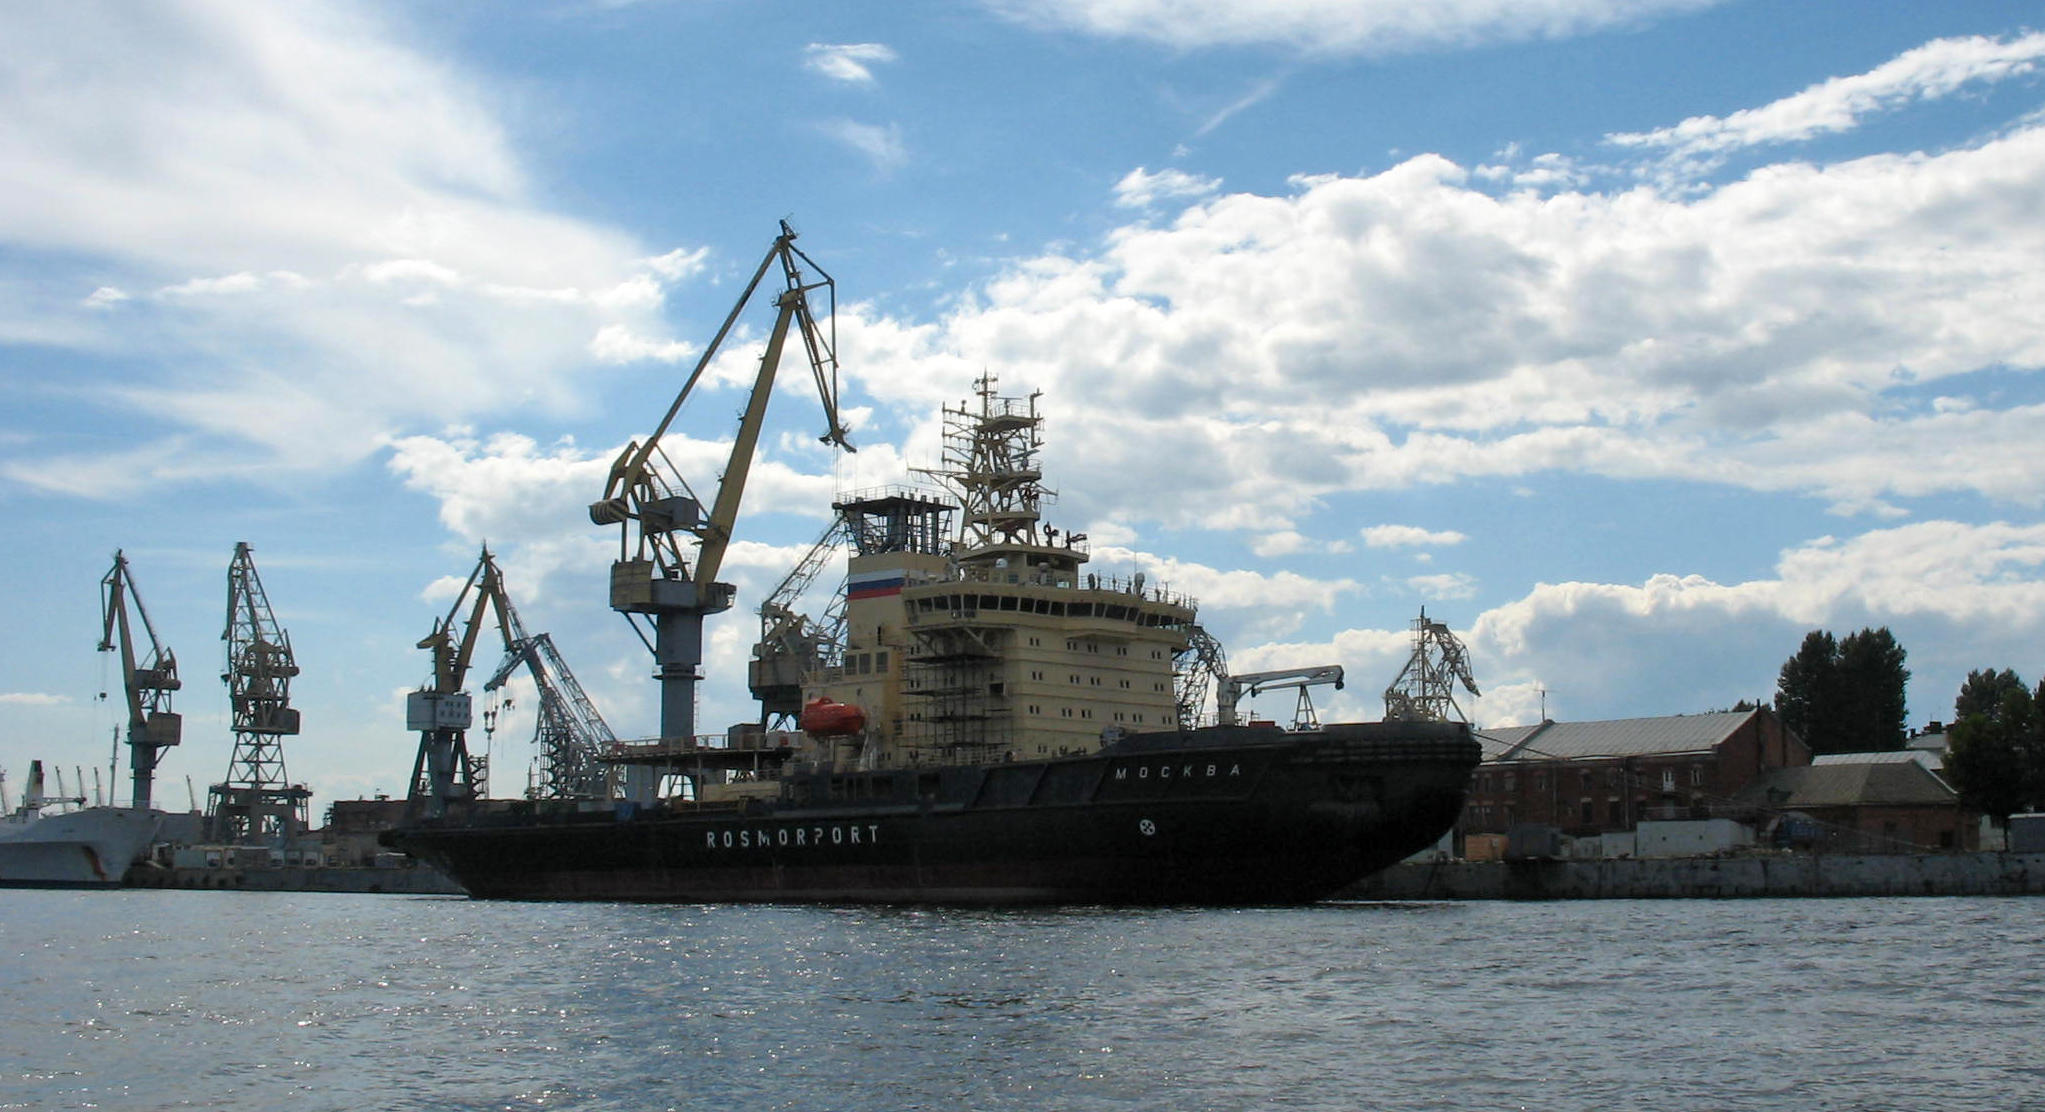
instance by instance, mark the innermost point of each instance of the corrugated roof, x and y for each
(1846, 785)
(1623, 737)
(1928, 759)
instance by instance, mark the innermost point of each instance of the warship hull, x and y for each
(1224, 815)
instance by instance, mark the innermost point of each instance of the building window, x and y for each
(1696, 775)
(1668, 779)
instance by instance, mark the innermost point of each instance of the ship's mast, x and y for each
(256, 802)
(990, 463)
(148, 682)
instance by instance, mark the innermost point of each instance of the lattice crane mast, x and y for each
(1425, 689)
(445, 774)
(571, 734)
(652, 580)
(152, 725)
(1200, 664)
(256, 802)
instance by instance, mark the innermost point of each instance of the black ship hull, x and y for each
(1228, 815)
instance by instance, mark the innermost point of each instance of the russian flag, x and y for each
(873, 584)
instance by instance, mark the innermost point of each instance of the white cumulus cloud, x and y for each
(850, 62)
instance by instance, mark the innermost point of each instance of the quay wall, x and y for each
(1730, 877)
(419, 880)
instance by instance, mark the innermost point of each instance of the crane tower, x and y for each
(147, 678)
(256, 803)
(654, 580)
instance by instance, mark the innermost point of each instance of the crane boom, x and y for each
(791, 642)
(572, 735)
(152, 725)
(1233, 688)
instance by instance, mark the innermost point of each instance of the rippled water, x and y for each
(278, 1001)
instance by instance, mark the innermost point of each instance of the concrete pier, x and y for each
(1728, 877)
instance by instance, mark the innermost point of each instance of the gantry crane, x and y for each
(152, 725)
(256, 802)
(652, 580)
(1425, 689)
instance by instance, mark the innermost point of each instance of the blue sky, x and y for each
(1632, 338)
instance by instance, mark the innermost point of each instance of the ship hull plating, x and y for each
(91, 848)
(1225, 816)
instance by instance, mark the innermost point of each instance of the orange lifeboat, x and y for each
(824, 718)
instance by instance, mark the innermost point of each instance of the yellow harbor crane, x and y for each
(654, 582)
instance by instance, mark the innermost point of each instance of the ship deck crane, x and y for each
(1200, 663)
(653, 581)
(1233, 688)
(1425, 689)
(148, 682)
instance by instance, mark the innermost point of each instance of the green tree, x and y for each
(1984, 691)
(1805, 690)
(1992, 757)
(1844, 696)
(1872, 679)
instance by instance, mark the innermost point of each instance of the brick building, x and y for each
(1597, 777)
(1860, 803)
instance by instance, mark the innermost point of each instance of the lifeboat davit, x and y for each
(825, 718)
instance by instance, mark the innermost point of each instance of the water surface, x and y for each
(285, 1001)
